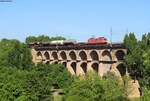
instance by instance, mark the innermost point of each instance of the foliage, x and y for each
(20, 80)
(59, 74)
(138, 58)
(5, 47)
(43, 38)
(37, 87)
(133, 58)
(11, 83)
(146, 95)
(92, 87)
(33, 85)
(15, 54)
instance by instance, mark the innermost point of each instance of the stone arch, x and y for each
(84, 67)
(94, 55)
(74, 68)
(72, 55)
(120, 55)
(47, 62)
(56, 62)
(54, 55)
(83, 55)
(63, 55)
(95, 67)
(122, 69)
(65, 64)
(46, 55)
(39, 55)
(106, 56)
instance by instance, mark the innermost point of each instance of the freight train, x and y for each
(91, 41)
(53, 43)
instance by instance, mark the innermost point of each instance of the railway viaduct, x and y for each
(80, 58)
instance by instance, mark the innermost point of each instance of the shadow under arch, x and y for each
(72, 55)
(95, 67)
(83, 55)
(63, 55)
(106, 56)
(74, 68)
(46, 55)
(120, 55)
(94, 55)
(65, 64)
(56, 62)
(54, 55)
(122, 69)
(39, 55)
(84, 67)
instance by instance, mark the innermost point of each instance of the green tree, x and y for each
(14, 56)
(59, 74)
(37, 86)
(43, 38)
(146, 64)
(133, 59)
(92, 87)
(11, 81)
(26, 57)
(20, 56)
(5, 47)
(137, 58)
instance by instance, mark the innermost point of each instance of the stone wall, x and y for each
(78, 62)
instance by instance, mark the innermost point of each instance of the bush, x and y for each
(92, 87)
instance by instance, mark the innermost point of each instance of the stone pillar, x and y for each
(115, 70)
(100, 55)
(33, 52)
(89, 67)
(100, 69)
(113, 54)
(79, 69)
(70, 69)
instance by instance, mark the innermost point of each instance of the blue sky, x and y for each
(74, 19)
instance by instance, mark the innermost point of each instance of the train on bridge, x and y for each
(91, 41)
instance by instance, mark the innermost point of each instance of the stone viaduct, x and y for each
(82, 57)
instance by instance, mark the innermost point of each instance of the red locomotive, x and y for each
(98, 40)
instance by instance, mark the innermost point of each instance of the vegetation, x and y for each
(43, 38)
(21, 80)
(91, 87)
(138, 61)
(138, 58)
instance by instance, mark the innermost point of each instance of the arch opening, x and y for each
(39, 55)
(55, 62)
(73, 66)
(72, 55)
(84, 67)
(63, 55)
(120, 55)
(46, 55)
(95, 67)
(122, 69)
(47, 62)
(106, 56)
(83, 55)
(94, 55)
(55, 56)
(65, 64)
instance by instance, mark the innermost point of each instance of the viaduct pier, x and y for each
(82, 57)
